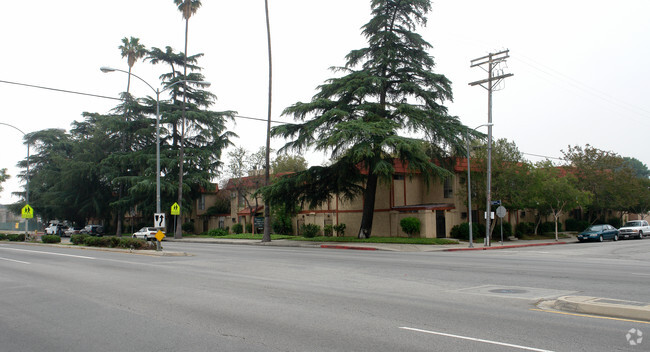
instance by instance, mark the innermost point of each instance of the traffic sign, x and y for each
(159, 220)
(501, 211)
(160, 235)
(496, 202)
(27, 212)
(176, 209)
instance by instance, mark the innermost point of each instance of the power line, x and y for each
(60, 90)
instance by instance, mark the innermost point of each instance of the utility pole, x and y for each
(492, 60)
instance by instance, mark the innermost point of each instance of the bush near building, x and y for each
(237, 228)
(410, 226)
(309, 230)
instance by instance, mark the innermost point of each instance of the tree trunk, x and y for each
(368, 206)
(181, 155)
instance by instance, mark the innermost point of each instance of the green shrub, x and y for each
(282, 226)
(340, 229)
(549, 226)
(92, 241)
(524, 228)
(410, 225)
(507, 229)
(78, 239)
(188, 227)
(461, 231)
(16, 238)
(135, 243)
(217, 232)
(3, 237)
(51, 239)
(309, 230)
(328, 230)
(249, 228)
(237, 228)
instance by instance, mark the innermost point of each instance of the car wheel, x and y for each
(616, 237)
(640, 234)
(600, 238)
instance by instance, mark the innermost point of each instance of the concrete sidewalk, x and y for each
(394, 247)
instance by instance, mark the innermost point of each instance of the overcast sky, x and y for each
(580, 67)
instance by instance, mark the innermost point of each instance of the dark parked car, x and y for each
(93, 230)
(599, 233)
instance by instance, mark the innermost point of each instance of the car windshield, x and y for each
(595, 228)
(632, 223)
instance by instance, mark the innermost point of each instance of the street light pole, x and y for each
(26, 175)
(469, 187)
(157, 91)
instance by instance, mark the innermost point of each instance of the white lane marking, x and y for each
(476, 340)
(50, 253)
(639, 274)
(15, 261)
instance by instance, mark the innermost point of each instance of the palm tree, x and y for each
(132, 50)
(187, 8)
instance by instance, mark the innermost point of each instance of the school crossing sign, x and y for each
(27, 212)
(176, 209)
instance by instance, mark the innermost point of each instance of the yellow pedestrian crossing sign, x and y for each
(27, 212)
(176, 209)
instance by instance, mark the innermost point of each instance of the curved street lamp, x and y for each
(469, 186)
(26, 175)
(157, 91)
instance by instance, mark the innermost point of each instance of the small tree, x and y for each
(556, 192)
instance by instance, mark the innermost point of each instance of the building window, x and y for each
(448, 188)
(202, 202)
(398, 177)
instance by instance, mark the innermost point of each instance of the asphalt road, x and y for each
(250, 298)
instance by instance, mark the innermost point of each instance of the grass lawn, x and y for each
(401, 240)
(544, 236)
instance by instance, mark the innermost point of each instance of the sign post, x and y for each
(27, 213)
(159, 222)
(501, 212)
(175, 210)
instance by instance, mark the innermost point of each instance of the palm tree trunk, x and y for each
(181, 156)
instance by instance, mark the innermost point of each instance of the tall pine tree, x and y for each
(367, 117)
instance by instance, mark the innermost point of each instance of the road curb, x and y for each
(504, 247)
(331, 246)
(604, 306)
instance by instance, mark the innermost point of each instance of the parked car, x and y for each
(146, 233)
(634, 228)
(599, 233)
(71, 231)
(93, 230)
(56, 229)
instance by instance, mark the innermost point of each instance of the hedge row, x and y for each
(111, 242)
(14, 237)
